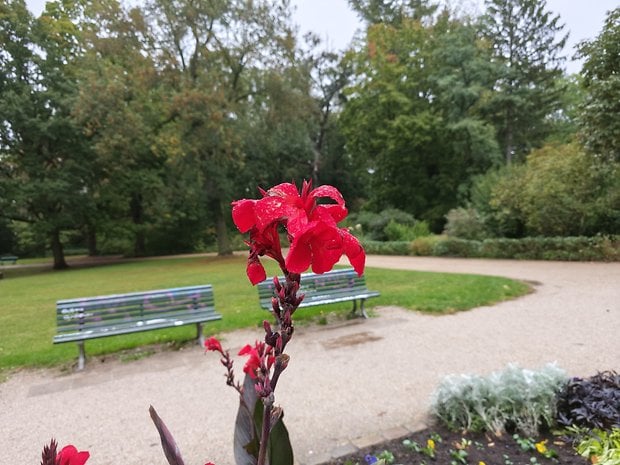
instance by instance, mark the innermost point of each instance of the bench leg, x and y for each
(81, 355)
(201, 338)
(362, 310)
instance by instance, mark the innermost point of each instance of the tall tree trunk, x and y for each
(91, 240)
(223, 244)
(57, 251)
(137, 218)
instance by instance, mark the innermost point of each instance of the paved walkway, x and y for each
(348, 385)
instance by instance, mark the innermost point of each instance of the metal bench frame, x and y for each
(327, 288)
(86, 318)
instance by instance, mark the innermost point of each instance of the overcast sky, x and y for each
(335, 23)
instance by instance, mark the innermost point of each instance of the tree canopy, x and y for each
(131, 128)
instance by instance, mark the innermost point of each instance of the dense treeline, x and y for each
(130, 129)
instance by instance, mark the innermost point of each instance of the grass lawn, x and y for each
(28, 299)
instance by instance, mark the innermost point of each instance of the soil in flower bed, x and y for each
(467, 449)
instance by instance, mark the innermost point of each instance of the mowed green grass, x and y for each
(28, 298)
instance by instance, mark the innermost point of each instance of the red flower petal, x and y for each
(243, 214)
(329, 192)
(213, 344)
(326, 248)
(255, 271)
(69, 455)
(299, 256)
(354, 251)
(246, 349)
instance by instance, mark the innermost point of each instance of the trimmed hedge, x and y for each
(597, 248)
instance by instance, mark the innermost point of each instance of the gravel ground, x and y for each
(348, 385)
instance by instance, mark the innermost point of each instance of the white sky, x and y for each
(335, 23)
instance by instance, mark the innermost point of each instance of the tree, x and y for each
(119, 108)
(412, 118)
(45, 176)
(213, 56)
(527, 45)
(600, 113)
(393, 12)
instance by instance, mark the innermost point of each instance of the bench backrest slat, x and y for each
(317, 287)
(123, 309)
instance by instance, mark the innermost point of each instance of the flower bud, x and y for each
(282, 362)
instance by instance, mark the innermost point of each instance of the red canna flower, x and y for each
(315, 239)
(260, 357)
(69, 455)
(213, 344)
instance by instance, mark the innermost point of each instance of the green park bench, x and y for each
(12, 259)
(327, 288)
(78, 320)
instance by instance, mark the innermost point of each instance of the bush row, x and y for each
(597, 248)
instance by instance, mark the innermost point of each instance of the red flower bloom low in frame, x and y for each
(69, 455)
(315, 239)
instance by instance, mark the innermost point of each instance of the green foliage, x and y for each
(414, 128)
(386, 248)
(465, 223)
(424, 246)
(567, 193)
(596, 248)
(527, 42)
(600, 113)
(372, 226)
(559, 191)
(399, 232)
(600, 248)
(601, 447)
(454, 247)
(512, 399)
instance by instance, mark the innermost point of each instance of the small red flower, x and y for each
(69, 455)
(260, 357)
(213, 344)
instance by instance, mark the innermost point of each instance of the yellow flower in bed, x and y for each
(541, 447)
(430, 444)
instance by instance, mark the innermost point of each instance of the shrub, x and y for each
(601, 447)
(387, 248)
(511, 400)
(423, 246)
(591, 402)
(372, 225)
(465, 223)
(453, 247)
(395, 231)
(553, 248)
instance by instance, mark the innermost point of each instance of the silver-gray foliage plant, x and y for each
(514, 398)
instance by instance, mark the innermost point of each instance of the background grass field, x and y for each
(28, 297)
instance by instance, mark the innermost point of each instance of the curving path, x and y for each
(347, 386)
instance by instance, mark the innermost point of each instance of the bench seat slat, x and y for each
(119, 329)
